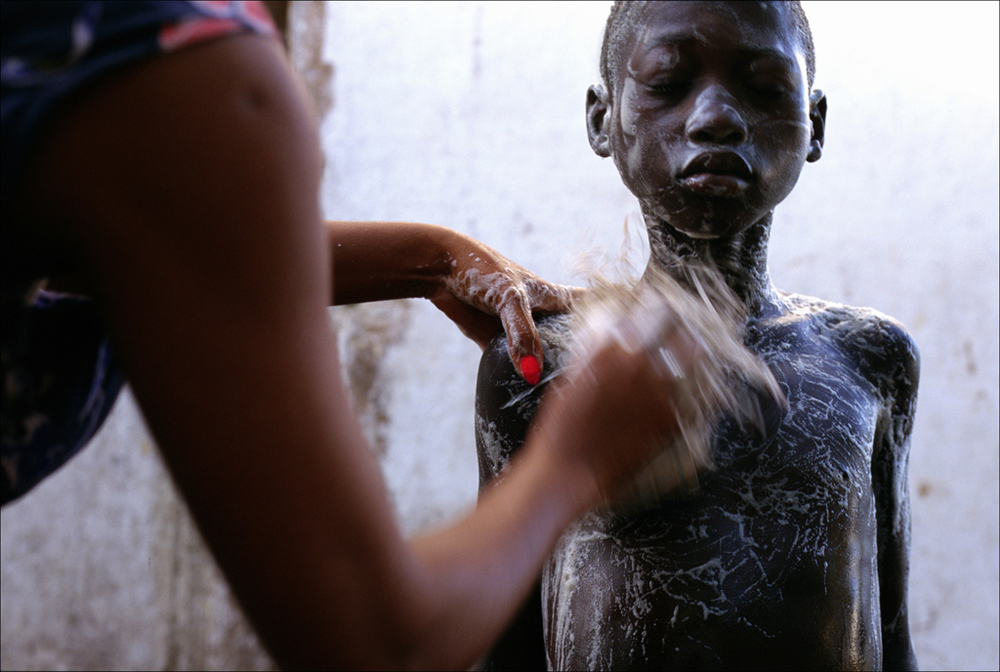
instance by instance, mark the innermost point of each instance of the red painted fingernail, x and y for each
(530, 369)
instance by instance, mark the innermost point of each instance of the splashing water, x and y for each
(655, 315)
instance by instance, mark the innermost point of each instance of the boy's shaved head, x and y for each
(625, 14)
(706, 111)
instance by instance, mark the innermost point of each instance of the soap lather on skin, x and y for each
(694, 337)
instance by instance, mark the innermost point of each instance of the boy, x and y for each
(794, 553)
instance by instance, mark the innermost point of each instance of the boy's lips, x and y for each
(716, 174)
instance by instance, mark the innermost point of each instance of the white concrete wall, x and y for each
(471, 115)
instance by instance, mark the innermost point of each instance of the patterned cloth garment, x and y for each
(60, 375)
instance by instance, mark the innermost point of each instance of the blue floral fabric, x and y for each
(61, 380)
(60, 376)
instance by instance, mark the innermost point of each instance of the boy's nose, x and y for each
(715, 118)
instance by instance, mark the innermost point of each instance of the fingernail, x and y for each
(530, 369)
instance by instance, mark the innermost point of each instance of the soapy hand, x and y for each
(615, 406)
(485, 292)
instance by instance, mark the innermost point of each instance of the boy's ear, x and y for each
(597, 119)
(817, 117)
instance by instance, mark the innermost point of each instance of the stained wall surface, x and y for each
(471, 115)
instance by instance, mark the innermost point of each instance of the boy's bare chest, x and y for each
(827, 429)
(795, 487)
(798, 492)
(781, 534)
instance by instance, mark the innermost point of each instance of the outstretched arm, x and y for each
(501, 428)
(188, 188)
(480, 290)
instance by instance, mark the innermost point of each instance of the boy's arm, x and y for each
(501, 428)
(900, 372)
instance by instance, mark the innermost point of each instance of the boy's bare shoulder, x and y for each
(496, 369)
(852, 325)
(505, 402)
(880, 346)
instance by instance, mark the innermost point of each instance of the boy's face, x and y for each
(709, 124)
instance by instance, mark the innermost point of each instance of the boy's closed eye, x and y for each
(674, 79)
(671, 87)
(769, 77)
(766, 88)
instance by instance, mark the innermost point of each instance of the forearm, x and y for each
(480, 571)
(377, 261)
(480, 290)
(893, 521)
(898, 653)
(893, 559)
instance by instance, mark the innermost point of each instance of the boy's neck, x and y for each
(742, 260)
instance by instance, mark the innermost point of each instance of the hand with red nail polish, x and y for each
(480, 290)
(484, 293)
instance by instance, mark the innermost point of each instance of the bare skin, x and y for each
(185, 192)
(480, 290)
(794, 554)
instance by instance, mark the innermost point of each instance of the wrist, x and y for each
(444, 250)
